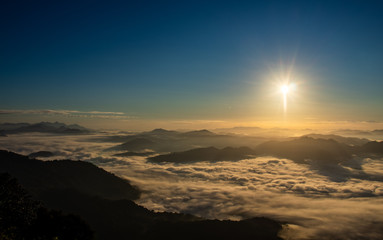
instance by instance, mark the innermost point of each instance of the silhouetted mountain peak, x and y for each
(161, 131)
(198, 133)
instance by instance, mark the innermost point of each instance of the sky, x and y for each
(209, 63)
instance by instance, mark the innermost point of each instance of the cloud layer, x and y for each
(314, 206)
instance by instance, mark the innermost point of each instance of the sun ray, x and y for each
(285, 91)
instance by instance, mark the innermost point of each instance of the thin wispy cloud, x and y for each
(59, 112)
(69, 113)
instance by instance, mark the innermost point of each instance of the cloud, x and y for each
(59, 112)
(69, 113)
(314, 206)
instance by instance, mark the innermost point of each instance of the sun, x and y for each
(285, 89)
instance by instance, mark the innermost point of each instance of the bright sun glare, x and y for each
(285, 89)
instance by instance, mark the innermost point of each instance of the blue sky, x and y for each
(193, 59)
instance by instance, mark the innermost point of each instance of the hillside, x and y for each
(39, 176)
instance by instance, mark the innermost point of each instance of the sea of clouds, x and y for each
(312, 203)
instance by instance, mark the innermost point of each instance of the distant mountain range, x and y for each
(42, 127)
(199, 133)
(324, 151)
(354, 141)
(104, 202)
(364, 133)
(326, 156)
(275, 132)
(164, 141)
(161, 140)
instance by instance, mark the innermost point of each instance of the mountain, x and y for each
(161, 132)
(39, 176)
(322, 149)
(377, 132)
(352, 132)
(210, 154)
(123, 219)
(354, 141)
(21, 217)
(326, 156)
(41, 154)
(255, 228)
(161, 141)
(306, 148)
(299, 150)
(98, 197)
(198, 133)
(43, 127)
(373, 147)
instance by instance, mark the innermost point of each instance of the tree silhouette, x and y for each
(23, 218)
(17, 209)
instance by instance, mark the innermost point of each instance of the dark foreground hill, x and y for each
(123, 219)
(22, 218)
(38, 176)
(41, 154)
(56, 184)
